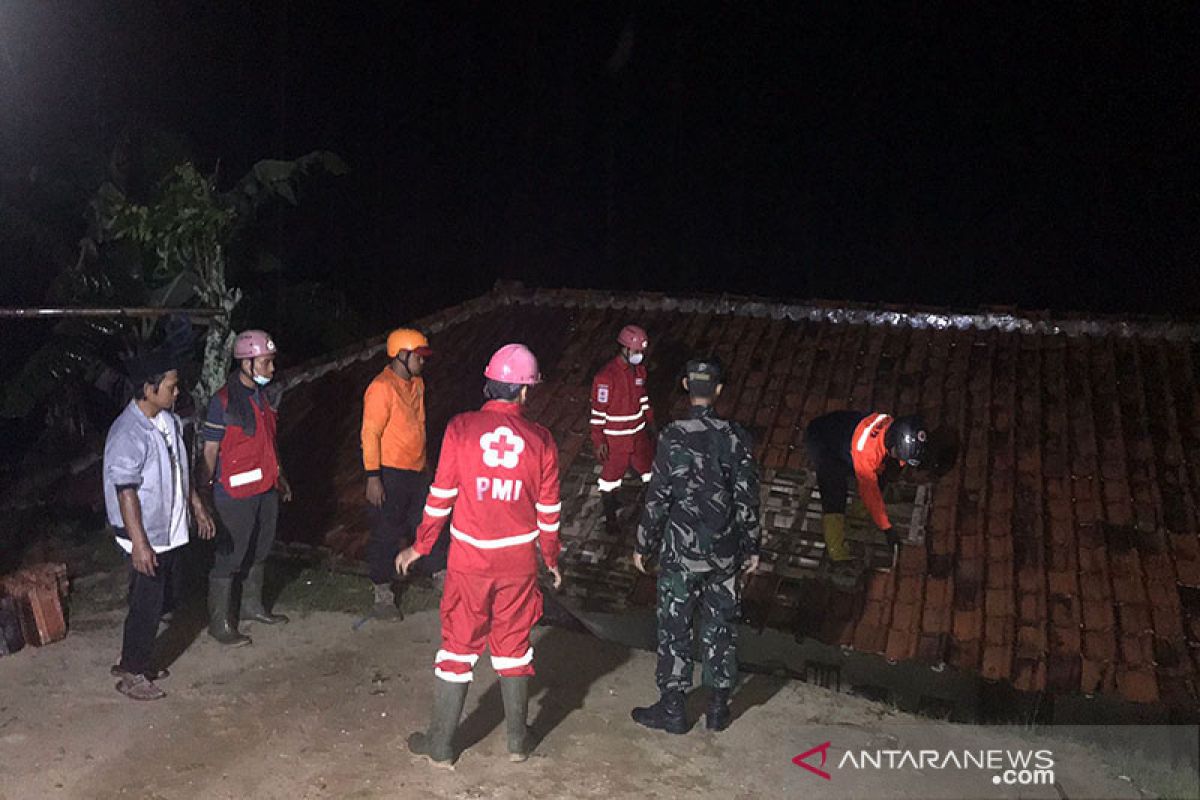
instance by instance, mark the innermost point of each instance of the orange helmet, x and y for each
(407, 339)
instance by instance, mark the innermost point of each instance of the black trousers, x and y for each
(244, 526)
(146, 597)
(394, 526)
(827, 442)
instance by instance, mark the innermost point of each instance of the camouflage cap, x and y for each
(703, 371)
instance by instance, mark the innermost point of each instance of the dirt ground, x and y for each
(317, 709)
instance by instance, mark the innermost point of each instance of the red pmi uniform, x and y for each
(620, 413)
(868, 451)
(497, 480)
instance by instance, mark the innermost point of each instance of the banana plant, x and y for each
(170, 251)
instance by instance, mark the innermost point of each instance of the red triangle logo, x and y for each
(801, 760)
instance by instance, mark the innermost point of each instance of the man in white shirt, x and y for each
(147, 492)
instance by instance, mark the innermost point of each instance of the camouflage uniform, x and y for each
(703, 494)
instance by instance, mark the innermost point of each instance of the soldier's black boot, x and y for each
(717, 717)
(665, 715)
(437, 745)
(608, 501)
(515, 692)
(252, 598)
(220, 626)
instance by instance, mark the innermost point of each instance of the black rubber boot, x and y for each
(717, 717)
(252, 599)
(515, 692)
(437, 745)
(220, 626)
(608, 501)
(665, 715)
(385, 603)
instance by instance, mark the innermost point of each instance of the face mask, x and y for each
(636, 358)
(261, 380)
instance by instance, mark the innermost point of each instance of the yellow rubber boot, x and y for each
(833, 526)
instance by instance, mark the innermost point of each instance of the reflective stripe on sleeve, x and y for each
(866, 434)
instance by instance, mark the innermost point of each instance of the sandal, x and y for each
(151, 674)
(138, 687)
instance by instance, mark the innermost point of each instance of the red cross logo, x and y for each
(502, 448)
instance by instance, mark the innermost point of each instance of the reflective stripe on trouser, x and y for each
(639, 455)
(497, 613)
(679, 593)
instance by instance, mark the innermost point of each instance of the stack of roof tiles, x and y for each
(37, 594)
(1061, 552)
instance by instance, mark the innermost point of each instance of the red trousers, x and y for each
(478, 610)
(638, 454)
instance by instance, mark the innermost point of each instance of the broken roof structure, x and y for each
(1058, 554)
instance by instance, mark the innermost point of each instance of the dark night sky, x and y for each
(952, 154)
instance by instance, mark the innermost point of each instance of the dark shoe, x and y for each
(515, 692)
(665, 715)
(437, 745)
(150, 674)
(385, 603)
(717, 717)
(845, 574)
(220, 627)
(138, 687)
(252, 599)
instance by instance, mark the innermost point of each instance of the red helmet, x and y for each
(513, 363)
(633, 337)
(251, 344)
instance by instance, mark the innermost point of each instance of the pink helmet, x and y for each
(513, 363)
(633, 337)
(251, 344)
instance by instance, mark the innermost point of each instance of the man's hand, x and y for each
(144, 559)
(284, 488)
(204, 521)
(602, 451)
(375, 493)
(751, 565)
(408, 556)
(639, 563)
(557, 576)
(893, 540)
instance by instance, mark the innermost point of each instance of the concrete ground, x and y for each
(317, 709)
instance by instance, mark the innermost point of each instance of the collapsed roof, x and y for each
(1058, 552)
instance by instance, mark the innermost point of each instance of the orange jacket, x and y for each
(393, 425)
(869, 453)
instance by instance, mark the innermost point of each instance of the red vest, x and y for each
(249, 464)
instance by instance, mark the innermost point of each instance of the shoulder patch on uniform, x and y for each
(602, 393)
